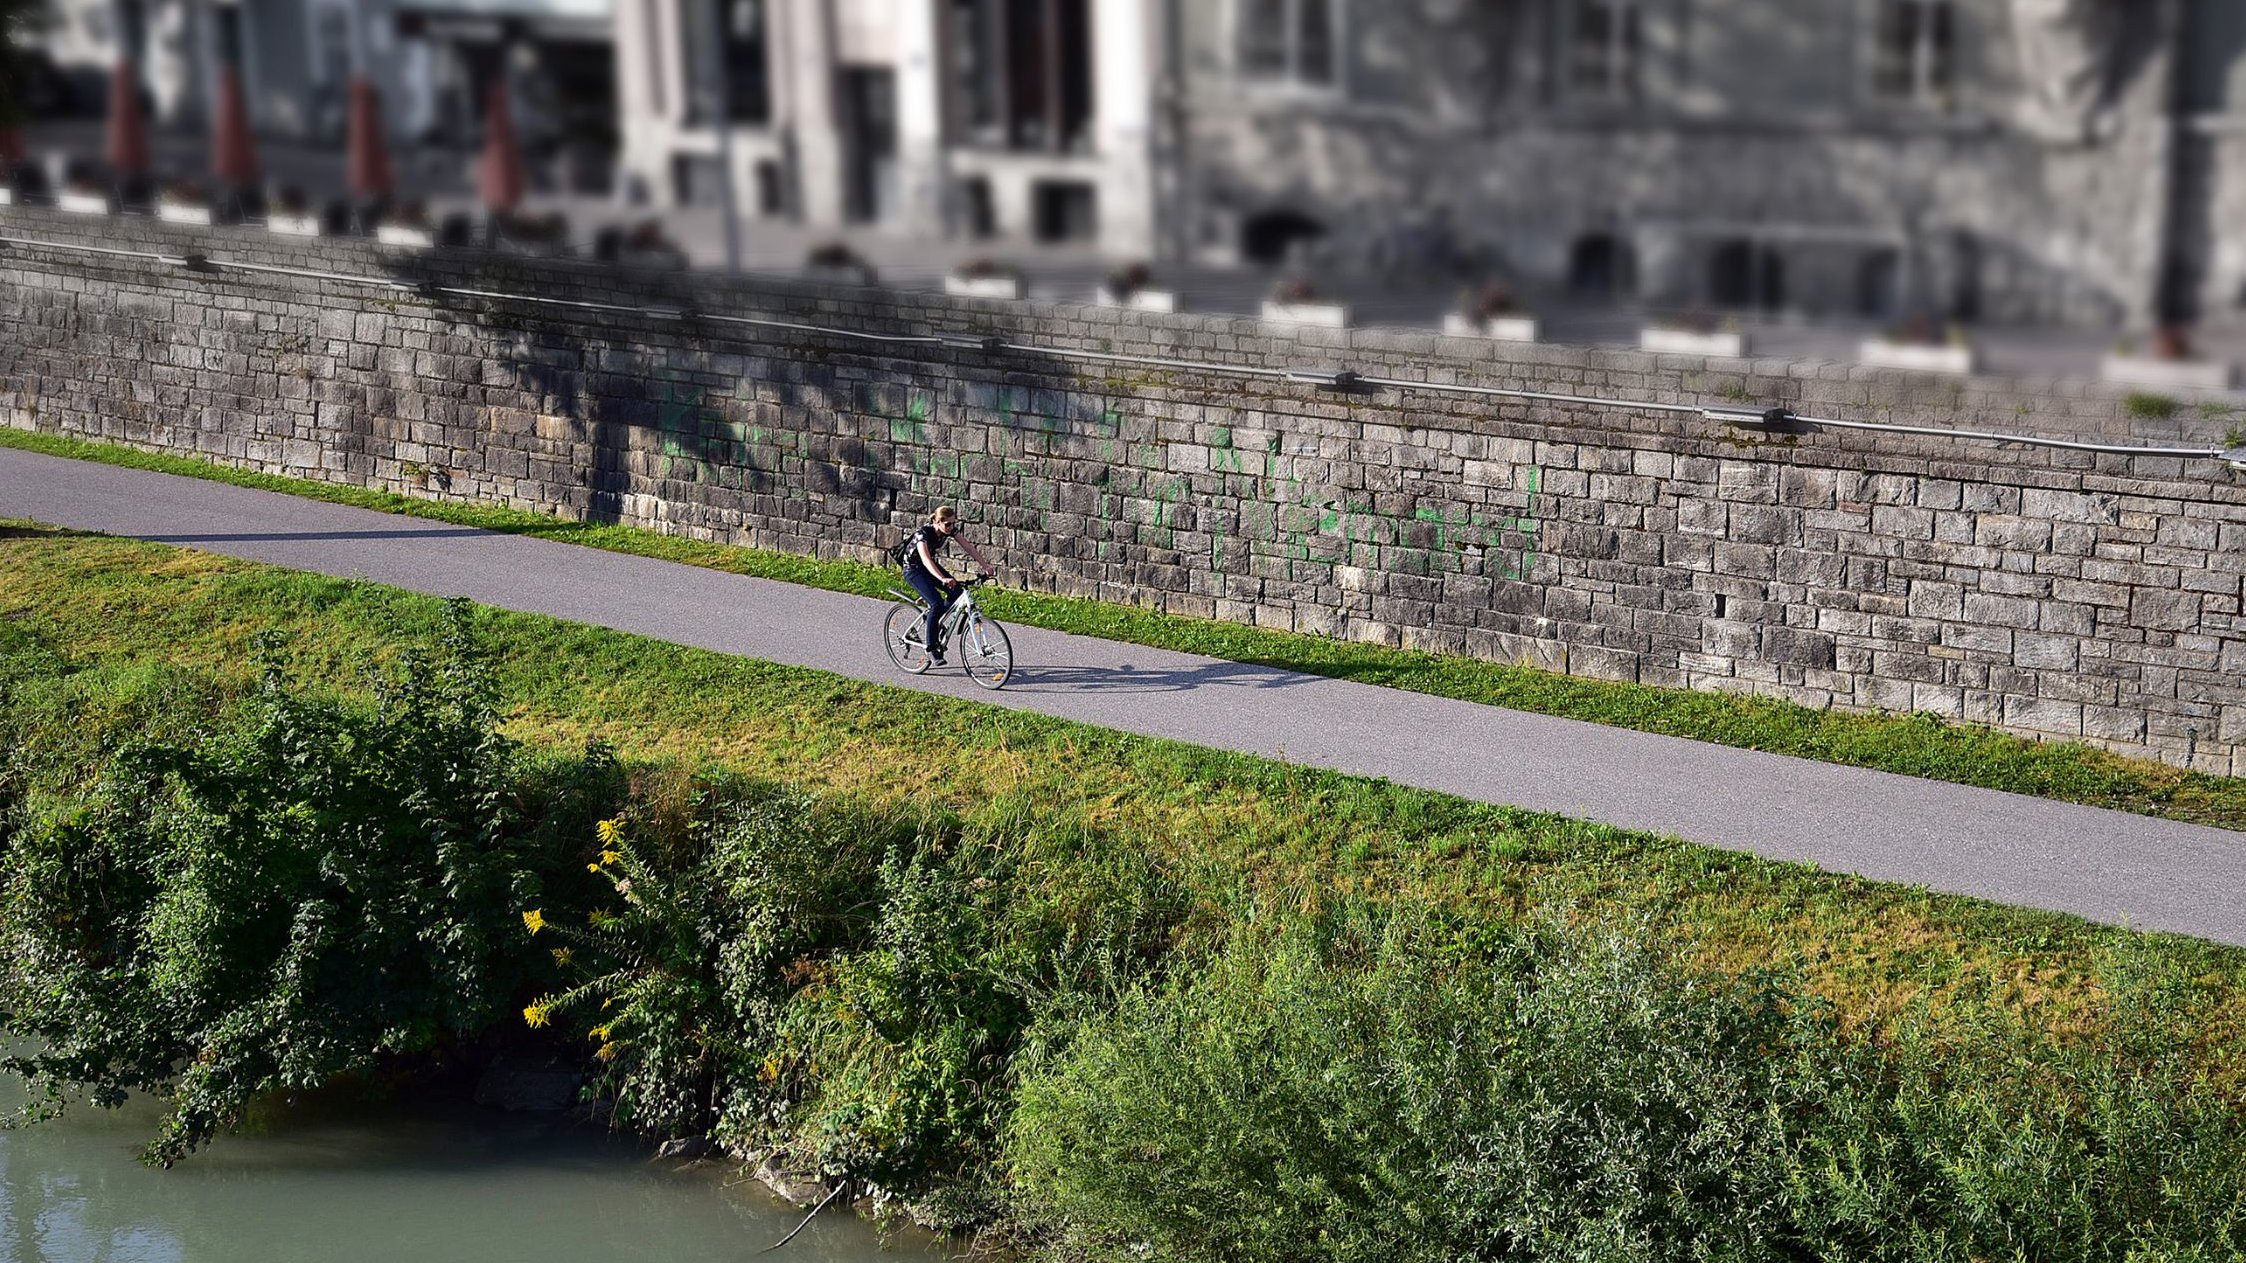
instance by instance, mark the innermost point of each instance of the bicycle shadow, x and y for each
(1130, 679)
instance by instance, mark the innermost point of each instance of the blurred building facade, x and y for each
(2072, 161)
(431, 59)
(1018, 118)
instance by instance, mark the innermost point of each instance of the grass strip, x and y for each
(124, 608)
(1919, 745)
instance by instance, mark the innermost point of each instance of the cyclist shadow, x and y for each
(1130, 679)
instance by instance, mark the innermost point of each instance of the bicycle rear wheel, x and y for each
(986, 653)
(901, 636)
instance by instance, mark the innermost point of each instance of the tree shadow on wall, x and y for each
(719, 431)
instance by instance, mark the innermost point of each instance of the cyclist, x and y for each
(926, 573)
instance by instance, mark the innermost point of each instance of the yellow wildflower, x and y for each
(601, 1032)
(598, 917)
(610, 831)
(592, 868)
(610, 857)
(562, 955)
(535, 919)
(535, 1015)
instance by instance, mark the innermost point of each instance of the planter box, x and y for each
(185, 213)
(1496, 328)
(1924, 359)
(1323, 315)
(2131, 370)
(83, 203)
(7, 195)
(983, 286)
(407, 238)
(293, 225)
(1138, 299)
(1689, 342)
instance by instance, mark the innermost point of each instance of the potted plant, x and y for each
(1695, 333)
(185, 202)
(836, 263)
(290, 214)
(85, 193)
(2167, 362)
(539, 236)
(644, 244)
(983, 278)
(1920, 344)
(1297, 301)
(1131, 286)
(407, 226)
(1489, 313)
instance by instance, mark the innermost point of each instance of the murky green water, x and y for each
(449, 1184)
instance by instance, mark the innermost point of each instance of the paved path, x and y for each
(2104, 865)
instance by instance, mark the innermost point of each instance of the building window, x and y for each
(1914, 50)
(1065, 210)
(728, 61)
(748, 61)
(1605, 50)
(1603, 264)
(1289, 41)
(1743, 274)
(1020, 72)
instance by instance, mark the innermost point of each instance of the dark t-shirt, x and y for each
(936, 540)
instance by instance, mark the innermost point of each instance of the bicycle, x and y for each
(984, 651)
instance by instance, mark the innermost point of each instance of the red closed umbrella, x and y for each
(233, 151)
(366, 156)
(126, 142)
(500, 179)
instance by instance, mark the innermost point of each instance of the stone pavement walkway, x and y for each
(2104, 865)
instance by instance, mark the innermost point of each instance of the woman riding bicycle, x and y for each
(925, 572)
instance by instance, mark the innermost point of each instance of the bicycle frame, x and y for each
(956, 614)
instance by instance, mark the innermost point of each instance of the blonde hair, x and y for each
(943, 513)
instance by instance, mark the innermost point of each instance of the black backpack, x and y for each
(901, 551)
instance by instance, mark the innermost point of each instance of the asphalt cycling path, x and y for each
(2108, 866)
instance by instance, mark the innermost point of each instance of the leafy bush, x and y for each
(1392, 1089)
(846, 983)
(303, 890)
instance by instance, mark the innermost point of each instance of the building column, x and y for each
(923, 181)
(645, 90)
(813, 130)
(1124, 75)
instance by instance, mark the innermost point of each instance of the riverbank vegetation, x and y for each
(1100, 996)
(1921, 745)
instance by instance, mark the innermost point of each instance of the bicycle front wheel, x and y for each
(986, 653)
(901, 636)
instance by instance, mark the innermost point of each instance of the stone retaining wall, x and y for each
(2051, 592)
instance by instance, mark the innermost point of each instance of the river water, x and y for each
(447, 1183)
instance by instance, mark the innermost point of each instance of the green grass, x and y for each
(1909, 745)
(124, 610)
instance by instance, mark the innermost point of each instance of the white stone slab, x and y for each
(83, 203)
(1688, 342)
(983, 286)
(1323, 315)
(1138, 299)
(401, 235)
(293, 225)
(184, 213)
(2134, 370)
(1496, 328)
(1917, 356)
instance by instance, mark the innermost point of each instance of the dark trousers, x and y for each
(937, 597)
